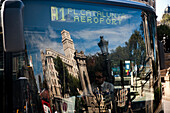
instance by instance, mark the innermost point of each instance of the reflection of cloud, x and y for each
(85, 46)
(116, 36)
(124, 17)
(42, 41)
(52, 33)
(109, 33)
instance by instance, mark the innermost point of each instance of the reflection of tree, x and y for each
(163, 30)
(62, 74)
(133, 50)
(136, 47)
(120, 53)
(95, 63)
(73, 84)
(67, 81)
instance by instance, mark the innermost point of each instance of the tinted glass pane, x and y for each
(89, 57)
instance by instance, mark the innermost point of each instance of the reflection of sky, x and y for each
(116, 36)
(42, 33)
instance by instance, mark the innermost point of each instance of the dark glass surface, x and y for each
(63, 65)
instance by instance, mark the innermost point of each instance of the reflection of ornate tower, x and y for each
(68, 44)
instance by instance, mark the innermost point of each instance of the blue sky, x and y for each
(160, 7)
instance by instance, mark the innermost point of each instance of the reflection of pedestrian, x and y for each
(103, 89)
(101, 84)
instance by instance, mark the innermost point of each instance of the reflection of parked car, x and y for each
(117, 75)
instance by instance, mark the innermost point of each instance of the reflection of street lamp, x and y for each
(103, 44)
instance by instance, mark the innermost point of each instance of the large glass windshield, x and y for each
(90, 57)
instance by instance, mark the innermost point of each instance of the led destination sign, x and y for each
(86, 16)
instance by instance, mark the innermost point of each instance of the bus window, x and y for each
(84, 56)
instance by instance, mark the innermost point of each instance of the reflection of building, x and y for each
(24, 85)
(85, 82)
(84, 78)
(49, 70)
(69, 50)
(51, 75)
